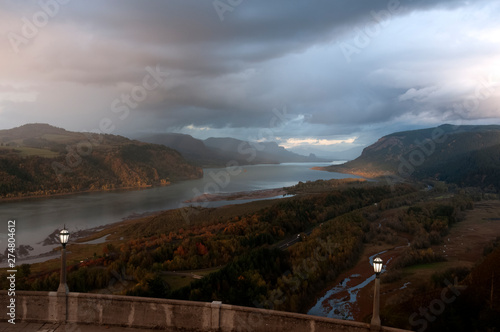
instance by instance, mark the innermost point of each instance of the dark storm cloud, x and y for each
(188, 35)
(230, 73)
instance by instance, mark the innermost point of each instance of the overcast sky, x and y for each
(315, 75)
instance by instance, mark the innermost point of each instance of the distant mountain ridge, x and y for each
(258, 152)
(466, 155)
(219, 151)
(39, 159)
(191, 148)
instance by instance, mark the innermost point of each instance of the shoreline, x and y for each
(59, 194)
(31, 196)
(351, 172)
(85, 236)
(49, 251)
(241, 195)
(82, 236)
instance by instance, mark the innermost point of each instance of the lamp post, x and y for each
(63, 237)
(377, 267)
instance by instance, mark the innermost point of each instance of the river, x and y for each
(37, 218)
(341, 308)
(343, 301)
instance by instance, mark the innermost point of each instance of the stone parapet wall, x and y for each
(167, 315)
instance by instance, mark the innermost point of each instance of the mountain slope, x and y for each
(466, 155)
(38, 159)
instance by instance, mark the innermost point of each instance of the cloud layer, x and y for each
(333, 70)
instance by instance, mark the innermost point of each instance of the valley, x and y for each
(463, 247)
(235, 165)
(318, 238)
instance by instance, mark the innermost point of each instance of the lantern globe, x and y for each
(377, 265)
(64, 236)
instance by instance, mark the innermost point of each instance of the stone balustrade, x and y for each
(165, 314)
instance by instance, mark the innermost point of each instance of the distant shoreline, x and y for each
(210, 199)
(88, 235)
(58, 194)
(242, 195)
(366, 175)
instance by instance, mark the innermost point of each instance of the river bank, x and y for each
(39, 217)
(31, 196)
(49, 248)
(242, 195)
(350, 296)
(363, 174)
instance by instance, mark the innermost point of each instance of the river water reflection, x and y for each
(37, 218)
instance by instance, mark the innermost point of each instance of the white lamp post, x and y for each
(377, 267)
(63, 237)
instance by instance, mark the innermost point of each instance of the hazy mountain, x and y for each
(467, 155)
(38, 159)
(191, 148)
(257, 153)
(219, 151)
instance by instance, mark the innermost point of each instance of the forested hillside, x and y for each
(39, 159)
(242, 246)
(277, 254)
(465, 155)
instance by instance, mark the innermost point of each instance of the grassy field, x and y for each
(58, 138)
(26, 151)
(179, 281)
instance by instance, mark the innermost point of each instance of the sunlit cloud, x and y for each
(295, 142)
(192, 127)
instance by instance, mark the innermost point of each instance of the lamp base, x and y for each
(63, 288)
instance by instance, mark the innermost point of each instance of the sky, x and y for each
(323, 76)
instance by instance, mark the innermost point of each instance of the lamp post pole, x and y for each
(63, 237)
(377, 267)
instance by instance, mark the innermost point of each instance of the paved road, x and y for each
(182, 274)
(292, 240)
(48, 327)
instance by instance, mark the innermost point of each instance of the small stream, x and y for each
(340, 308)
(339, 301)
